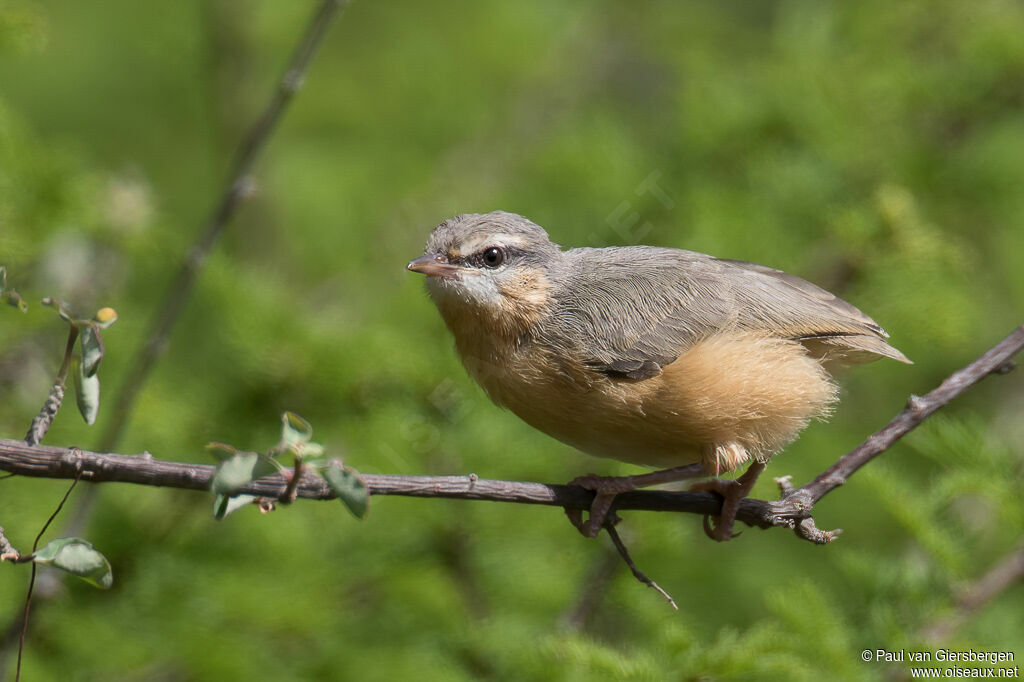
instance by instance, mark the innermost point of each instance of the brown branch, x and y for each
(798, 504)
(44, 461)
(793, 511)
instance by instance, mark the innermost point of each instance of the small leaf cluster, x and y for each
(10, 296)
(238, 468)
(86, 363)
(77, 557)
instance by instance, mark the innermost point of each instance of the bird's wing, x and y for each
(826, 324)
(633, 310)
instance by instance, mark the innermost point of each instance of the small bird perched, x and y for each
(653, 356)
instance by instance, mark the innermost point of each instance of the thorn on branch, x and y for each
(785, 484)
(915, 403)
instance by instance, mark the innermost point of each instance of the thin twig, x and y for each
(919, 408)
(238, 187)
(798, 504)
(32, 579)
(69, 351)
(67, 494)
(637, 573)
(42, 421)
(288, 496)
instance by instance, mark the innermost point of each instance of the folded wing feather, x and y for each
(638, 308)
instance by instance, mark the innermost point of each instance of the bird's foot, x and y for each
(732, 492)
(606, 488)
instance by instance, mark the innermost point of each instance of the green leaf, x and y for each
(61, 308)
(91, 343)
(224, 505)
(221, 451)
(348, 486)
(76, 556)
(308, 450)
(295, 431)
(14, 299)
(87, 394)
(240, 469)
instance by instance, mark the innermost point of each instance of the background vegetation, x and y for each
(873, 147)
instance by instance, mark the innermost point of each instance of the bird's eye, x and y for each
(493, 256)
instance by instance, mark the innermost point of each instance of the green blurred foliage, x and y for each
(874, 147)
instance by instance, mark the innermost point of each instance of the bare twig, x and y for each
(42, 421)
(793, 511)
(637, 573)
(32, 579)
(288, 496)
(797, 505)
(919, 408)
(69, 351)
(238, 187)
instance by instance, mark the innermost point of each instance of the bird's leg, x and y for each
(607, 487)
(732, 492)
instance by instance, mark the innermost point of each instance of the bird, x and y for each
(659, 357)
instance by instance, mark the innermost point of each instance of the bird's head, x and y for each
(496, 268)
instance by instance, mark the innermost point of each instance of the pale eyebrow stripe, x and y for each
(479, 241)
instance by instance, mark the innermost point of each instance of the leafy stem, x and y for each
(69, 351)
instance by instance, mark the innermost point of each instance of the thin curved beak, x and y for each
(434, 265)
